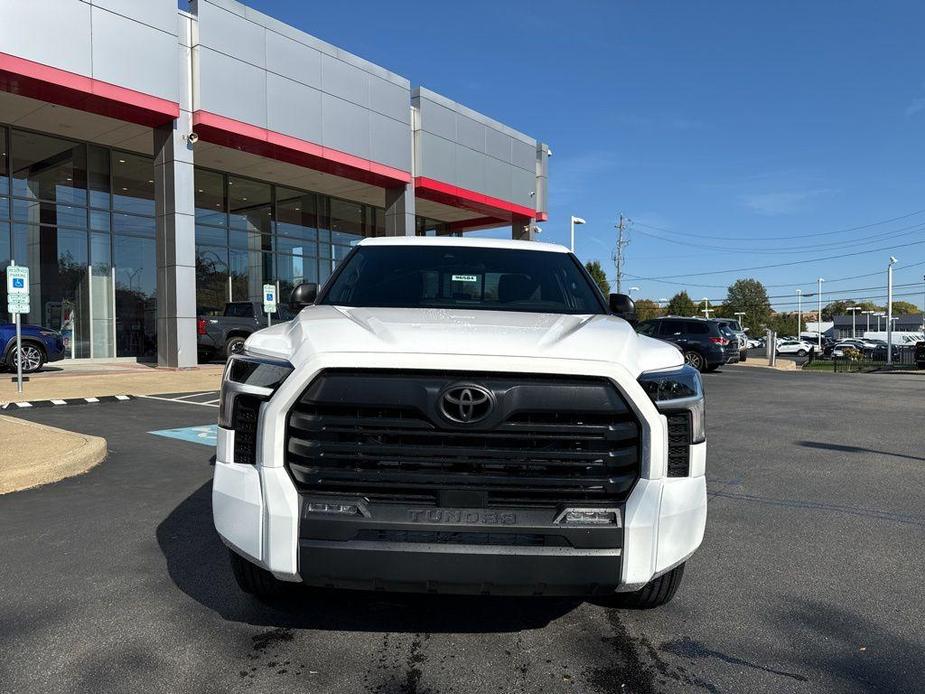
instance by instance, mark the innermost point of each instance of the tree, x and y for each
(646, 309)
(598, 275)
(904, 308)
(680, 305)
(748, 296)
(840, 308)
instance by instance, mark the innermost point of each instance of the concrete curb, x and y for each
(35, 454)
(785, 365)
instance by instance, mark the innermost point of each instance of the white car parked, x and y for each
(797, 347)
(461, 416)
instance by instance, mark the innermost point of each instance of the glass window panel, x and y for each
(249, 205)
(136, 292)
(4, 164)
(211, 279)
(239, 271)
(285, 244)
(64, 286)
(49, 213)
(211, 236)
(48, 168)
(242, 239)
(378, 216)
(132, 183)
(24, 237)
(99, 220)
(210, 197)
(133, 224)
(296, 213)
(347, 219)
(4, 261)
(98, 176)
(340, 252)
(4, 208)
(101, 297)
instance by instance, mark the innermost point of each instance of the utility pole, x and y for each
(799, 311)
(819, 317)
(706, 311)
(889, 312)
(622, 242)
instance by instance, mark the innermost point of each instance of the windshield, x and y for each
(491, 279)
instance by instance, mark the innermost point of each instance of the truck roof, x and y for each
(457, 241)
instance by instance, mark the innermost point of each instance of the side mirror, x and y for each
(622, 305)
(303, 295)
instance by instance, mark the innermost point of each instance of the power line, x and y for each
(796, 236)
(789, 264)
(792, 250)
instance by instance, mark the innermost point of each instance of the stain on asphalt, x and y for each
(688, 648)
(626, 673)
(399, 668)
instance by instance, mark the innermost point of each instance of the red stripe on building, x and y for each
(235, 134)
(50, 84)
(454, 196)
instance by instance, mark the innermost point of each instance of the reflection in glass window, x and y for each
(132, 183)
(136, 296)
(211, 277)
(347, 220)
(48, 168)
(98, 176)
(4, 164)
(4, 258)
(210, 197)
(133, 224)
(296, 213)
(249, 205)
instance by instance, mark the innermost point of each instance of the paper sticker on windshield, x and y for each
(465, 278)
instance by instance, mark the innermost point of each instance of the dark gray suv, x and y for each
(702, 341)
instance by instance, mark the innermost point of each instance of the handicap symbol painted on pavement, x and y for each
(206, 434)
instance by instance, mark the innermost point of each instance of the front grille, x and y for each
(550, 440)
(679, 444)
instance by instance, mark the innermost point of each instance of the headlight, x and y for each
(678, 394)
(252, 375)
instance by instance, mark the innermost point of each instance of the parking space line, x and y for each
(181, 402)
(193, 395)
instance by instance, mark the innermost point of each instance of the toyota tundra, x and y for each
(461, 416)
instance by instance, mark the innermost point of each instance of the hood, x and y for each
(329, 329)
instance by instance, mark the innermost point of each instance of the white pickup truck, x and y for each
(461, 416)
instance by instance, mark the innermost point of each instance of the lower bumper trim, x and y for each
(459, 569)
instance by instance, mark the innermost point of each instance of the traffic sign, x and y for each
(17, 289)
(269, 298)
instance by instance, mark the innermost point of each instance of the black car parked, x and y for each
(703, 343)
(919, 355)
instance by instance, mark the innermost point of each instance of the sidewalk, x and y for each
(34, 454)
(65, 380)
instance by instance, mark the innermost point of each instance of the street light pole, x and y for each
(799, 310)
(819, 316)
(706, 311)
(854, 312)
(740, 315)
(574, 220)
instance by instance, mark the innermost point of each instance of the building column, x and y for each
(176, 244)
(399, 211)
(522, 229)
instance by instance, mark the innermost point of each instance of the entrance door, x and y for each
(136, 286)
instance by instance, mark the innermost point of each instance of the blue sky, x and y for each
(755, 124)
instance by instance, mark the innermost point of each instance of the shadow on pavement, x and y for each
(197, 562)
(854, 449)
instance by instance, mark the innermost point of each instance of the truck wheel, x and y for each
(253, 579)
(656, 592)
(695, 360)
(234, 344)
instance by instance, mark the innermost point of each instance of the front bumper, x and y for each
(260, 515)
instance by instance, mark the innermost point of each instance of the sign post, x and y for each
(269, 301)
(17, 291)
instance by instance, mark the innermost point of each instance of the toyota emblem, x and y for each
(465, 403)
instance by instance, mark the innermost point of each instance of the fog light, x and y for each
(589, 516)
(349, 509)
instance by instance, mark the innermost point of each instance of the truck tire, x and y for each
(254, 580)
(233, 344)
(656, 592)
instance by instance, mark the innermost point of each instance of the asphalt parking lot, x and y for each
(809, 580)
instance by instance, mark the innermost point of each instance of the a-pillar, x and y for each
(522, 229)
(399, 211)
(176, 244)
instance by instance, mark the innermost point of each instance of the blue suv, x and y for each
(39, 346)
